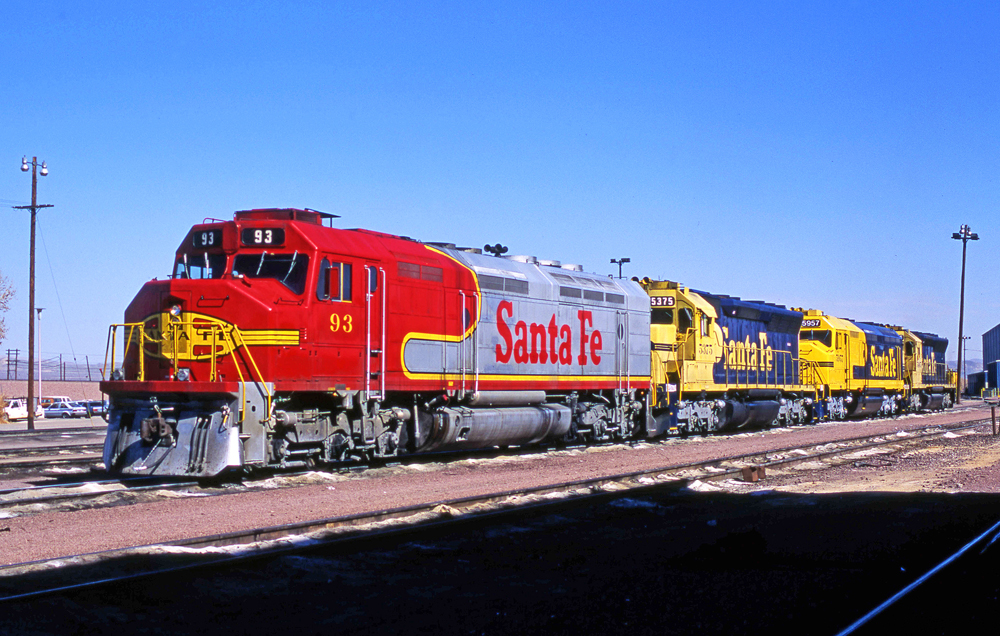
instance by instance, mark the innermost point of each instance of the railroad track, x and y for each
(75, 493)
(74, 430)
(40, 457)
(25, 580)
(55, 449)
(11, 499)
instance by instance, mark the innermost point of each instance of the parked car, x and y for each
(95, 407)
(49, 400)
(65, 409)
(17, 409)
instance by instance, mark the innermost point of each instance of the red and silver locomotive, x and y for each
(281, 341)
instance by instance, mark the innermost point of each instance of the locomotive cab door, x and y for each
(339, 323)
(844, 351)
(686, 331)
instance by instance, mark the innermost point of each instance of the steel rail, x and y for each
(889, 439)
(68, 496)
(941, 429)
(40, 432)
(67, 461)
(29, 451)
(76, 484)
(575, 491)
(909, 588)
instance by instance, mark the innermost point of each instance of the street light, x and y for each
(620, 262)
(964, 234)
(33, 166)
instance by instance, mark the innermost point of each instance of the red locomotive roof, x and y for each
(284, 214)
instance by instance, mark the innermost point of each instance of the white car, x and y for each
(17, 409)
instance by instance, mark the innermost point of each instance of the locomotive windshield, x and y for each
(662, 316)
(199, 266)
(288, 269)
(823, 336)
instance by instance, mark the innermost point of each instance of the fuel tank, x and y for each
(932, 401)
(754, 413)
(467, 428)
(866, 403)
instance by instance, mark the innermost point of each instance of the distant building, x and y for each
(991, 346)
(976, 383)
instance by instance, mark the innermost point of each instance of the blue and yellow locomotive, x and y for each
(723, 363)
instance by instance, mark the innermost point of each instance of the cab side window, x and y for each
(334, 281)
(685, 319)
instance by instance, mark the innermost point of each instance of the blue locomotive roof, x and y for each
(934, 341)
(879, 334)
(777, 317)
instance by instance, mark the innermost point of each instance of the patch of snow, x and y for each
(67, 471)
(867, 452)
(700, 486)
(815, 465)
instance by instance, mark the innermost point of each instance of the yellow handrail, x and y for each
(230, 335)
(112, 343)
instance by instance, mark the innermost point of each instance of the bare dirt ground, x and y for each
(47, 535)
(966, 462)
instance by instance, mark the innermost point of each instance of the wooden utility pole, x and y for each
(34, 207)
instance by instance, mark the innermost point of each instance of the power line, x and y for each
(56, 287)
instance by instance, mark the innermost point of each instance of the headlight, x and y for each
(175, 312)
(183, 374)
(117, 374)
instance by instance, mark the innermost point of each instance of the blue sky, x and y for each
(809, 154)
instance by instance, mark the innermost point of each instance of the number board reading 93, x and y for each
(661, 301)
(254, 236)
(206, 239)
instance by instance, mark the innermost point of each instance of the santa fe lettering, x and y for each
(528, 343)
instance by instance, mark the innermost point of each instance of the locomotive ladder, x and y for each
(623, 369)
(464, 344)
(369, 351)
